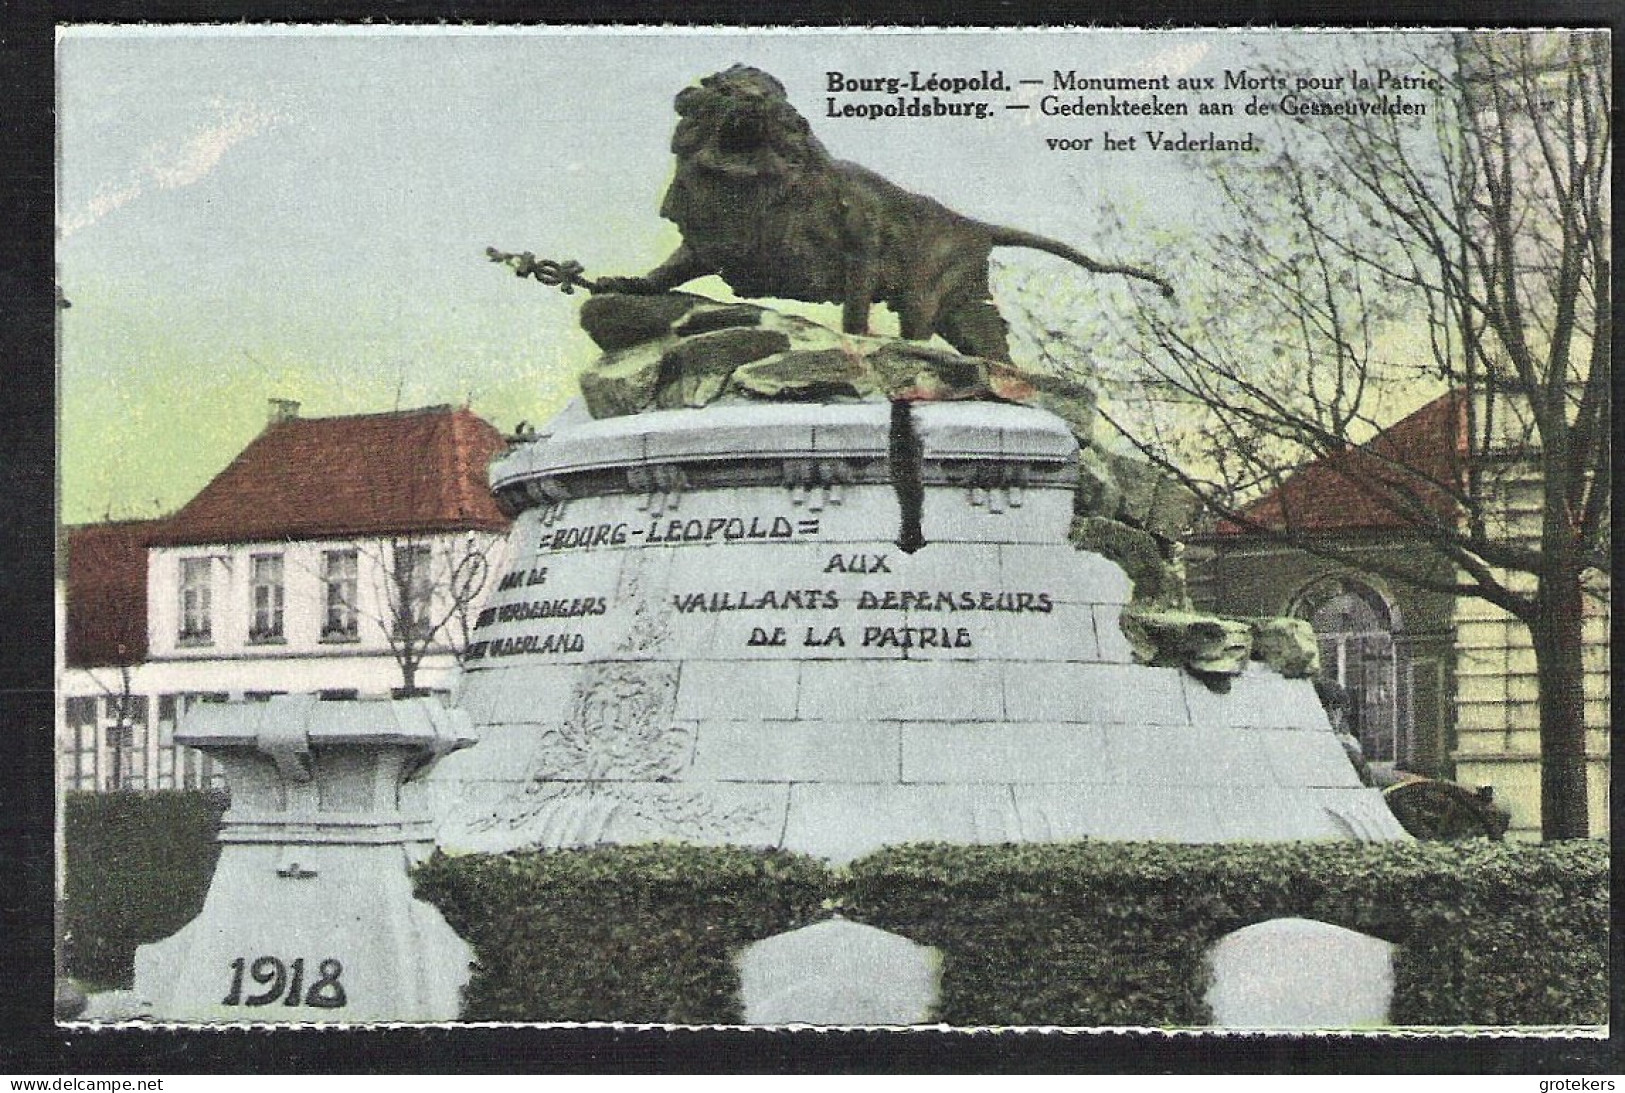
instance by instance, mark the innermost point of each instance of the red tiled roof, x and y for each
(106, 594)
(339, 477)
(1364, 488)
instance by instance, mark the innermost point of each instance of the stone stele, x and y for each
(838, 973)
(310, 916)
(708, 632)
(1294, 973)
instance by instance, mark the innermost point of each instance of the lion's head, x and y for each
(738, 122)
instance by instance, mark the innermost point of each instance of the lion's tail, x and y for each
(1015, 237)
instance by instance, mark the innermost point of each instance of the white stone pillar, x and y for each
(310, 916)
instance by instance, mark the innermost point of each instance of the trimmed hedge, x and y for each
(138, 867)
(640, 933)
(1117, 933)
(1092, 933)
(1062, 934)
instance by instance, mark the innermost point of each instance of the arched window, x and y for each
(1362, 649)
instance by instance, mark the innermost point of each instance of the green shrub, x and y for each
(1066, 934)
(138, 867)
(642, 934)
(1117, 933)
(1092, 933)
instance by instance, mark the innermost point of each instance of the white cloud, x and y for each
(175, 164)
(202, 152)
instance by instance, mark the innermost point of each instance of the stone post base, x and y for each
(310, 916)
(333, 936)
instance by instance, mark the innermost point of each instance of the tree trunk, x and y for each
(115, 740)
(1558, 635)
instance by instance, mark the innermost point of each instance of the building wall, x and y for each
(1474, 685)
(1498, 693)
(231, 606)
(118, 723)
(1248, 575)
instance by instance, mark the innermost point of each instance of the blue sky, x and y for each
(247, 214)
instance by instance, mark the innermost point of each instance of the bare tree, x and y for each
(1376, 255)
(125, 708)
(430, 585)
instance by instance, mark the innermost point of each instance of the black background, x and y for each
(30, 1045)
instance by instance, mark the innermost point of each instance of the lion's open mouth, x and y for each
(739, 135)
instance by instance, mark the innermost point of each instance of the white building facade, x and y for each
(243, 617)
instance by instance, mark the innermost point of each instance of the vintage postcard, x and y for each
(868, 528)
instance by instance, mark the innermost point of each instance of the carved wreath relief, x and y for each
(609, 771)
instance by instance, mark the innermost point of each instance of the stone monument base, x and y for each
(710, 633)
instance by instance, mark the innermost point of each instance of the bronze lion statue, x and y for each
(761, 203)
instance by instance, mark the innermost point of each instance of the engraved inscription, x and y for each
(589, 537)
(913, 600)
(521, 578)
(286, 983)
(715, 529)
(643, 612)
(727, 529)
(789, 600)
(916, 637)
(857, 563)
(521, 644)
(542, 609)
